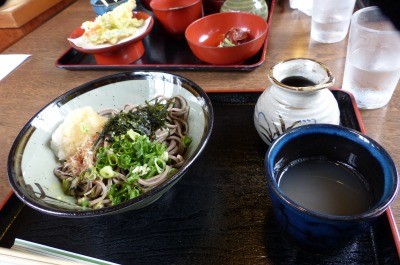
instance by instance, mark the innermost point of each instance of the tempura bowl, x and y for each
(123, 52)
(31, 161)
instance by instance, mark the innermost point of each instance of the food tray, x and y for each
(163, 52)
(218, 213)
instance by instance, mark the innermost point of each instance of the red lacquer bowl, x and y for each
(176, 15)
(120, 53)
(204, 35)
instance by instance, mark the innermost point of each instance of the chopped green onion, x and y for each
(159, 164)
(112, 159)
(84, 202)
(124, 161)
(107, 172)
(84, 128)
(131, 133)
(66, 184)
(186, 141)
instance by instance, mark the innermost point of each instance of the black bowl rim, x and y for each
(89, 86)
(343, 132)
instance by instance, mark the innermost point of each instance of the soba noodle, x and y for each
(91, 190)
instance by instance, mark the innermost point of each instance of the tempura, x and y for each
(112, 26)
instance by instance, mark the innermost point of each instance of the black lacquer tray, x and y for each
(163, 52)
(218, 213)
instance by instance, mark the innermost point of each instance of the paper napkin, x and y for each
(8, 62)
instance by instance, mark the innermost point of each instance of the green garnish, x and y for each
(138, 156)
(186, 141)
(128, 155)
(145, 121)
(84, 202)
(107, 172)
(226, 43)
(84, 128)
(66, 184)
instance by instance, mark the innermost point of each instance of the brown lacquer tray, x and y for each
(163, 52)
(218, 213)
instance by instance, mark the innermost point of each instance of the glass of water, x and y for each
(372, 68)
(330, 20)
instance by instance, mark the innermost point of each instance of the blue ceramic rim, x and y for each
(93, 2)
(376, 150)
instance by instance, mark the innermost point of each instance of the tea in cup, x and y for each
(328, 183)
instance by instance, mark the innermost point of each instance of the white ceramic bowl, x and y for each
(31, 160)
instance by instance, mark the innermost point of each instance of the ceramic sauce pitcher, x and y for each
(298, 95)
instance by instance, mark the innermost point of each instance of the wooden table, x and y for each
(37, 81)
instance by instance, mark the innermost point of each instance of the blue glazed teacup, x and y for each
(303, 208)
(99, 8)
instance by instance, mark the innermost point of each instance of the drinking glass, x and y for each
(372, 68)
(304, 6)
(330, 20)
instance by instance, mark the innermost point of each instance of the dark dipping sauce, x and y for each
(297, 81)
(325, 187)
